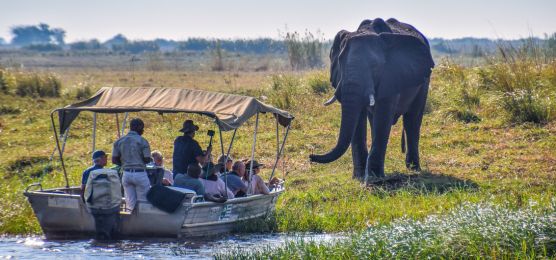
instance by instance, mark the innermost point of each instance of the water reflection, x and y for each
(39, 248)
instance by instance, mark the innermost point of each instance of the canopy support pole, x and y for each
(94, 131)
(221, 143)
(118, 124)
(59, 149)
(227, 157)
(65, 139)
(277, 137)
(124, 123)
(249, 190)
(279, 153)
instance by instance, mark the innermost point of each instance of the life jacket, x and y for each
(103, 190)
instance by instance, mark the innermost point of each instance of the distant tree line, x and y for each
(303, 50)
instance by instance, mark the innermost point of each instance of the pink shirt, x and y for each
(258, 186)
(216, 187)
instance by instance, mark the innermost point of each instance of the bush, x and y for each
(7, 81)
(285, 90)
(525, 87)
(460, 95)
(36, 85)
(304, 52)
(83, 92)
(319, 82)
(527, 106)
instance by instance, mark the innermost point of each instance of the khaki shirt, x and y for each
(131, 149)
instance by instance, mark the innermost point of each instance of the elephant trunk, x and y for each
(351, 110)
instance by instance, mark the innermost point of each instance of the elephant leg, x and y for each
(412, 123)
(359, 148)
(383, 116)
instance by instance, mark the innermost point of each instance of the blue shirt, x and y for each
(87, 172)
(185, 151)
(234, 182)
(185, 181)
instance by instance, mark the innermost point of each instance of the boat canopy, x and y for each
(230, 111)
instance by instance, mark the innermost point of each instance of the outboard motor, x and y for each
(103, 197)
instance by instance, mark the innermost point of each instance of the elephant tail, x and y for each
(403, 140)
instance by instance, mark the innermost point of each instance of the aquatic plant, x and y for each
(468, 231)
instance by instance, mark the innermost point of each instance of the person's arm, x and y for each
(116, 154)
(146, 151)
(199, 156)
(263, 188)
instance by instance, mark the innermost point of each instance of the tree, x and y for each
(37, 34)
(119, 39)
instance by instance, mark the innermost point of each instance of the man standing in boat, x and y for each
(187, 150)
(132, 152)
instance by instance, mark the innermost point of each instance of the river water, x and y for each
(40, 248)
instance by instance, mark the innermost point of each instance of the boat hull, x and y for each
(63, 215)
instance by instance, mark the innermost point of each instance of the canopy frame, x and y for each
(279, 147)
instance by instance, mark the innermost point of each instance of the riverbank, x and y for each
(476, 145)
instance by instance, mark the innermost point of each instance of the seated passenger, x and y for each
(226, 165)
(257, 184)
(168, 179)
(234, 180)
(190, 180)
(214, 186)
(99, 161)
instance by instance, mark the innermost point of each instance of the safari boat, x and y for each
(62, 213)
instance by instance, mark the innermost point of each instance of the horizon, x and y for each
(248, 19)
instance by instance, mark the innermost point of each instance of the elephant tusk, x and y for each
(371, 100)
(330, 101)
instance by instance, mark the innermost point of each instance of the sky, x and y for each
(179, 20)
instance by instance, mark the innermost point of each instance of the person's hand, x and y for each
(166, 182)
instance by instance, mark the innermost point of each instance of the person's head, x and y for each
(158, 159)
(189, 128)
(210, 169)
(99, 158)
(256, 166)
(226, 162)
(137, 125)
(194, 170)
(239, 168)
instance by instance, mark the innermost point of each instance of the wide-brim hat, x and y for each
(255, 164)
(189, 126)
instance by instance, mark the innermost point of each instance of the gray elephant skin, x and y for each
(380, 72)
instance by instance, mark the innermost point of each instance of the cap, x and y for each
(98, 154)
(189, 126)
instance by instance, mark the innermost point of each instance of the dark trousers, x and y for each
(106, 223)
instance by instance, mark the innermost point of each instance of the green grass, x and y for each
(498, 161)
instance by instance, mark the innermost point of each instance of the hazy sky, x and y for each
(140, 19)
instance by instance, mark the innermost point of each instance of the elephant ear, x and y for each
(334, 54)
(408, 64)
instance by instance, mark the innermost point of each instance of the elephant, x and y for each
(380, 72)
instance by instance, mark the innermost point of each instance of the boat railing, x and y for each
(37, 184)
